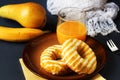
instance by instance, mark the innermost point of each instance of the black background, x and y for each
(10, 52)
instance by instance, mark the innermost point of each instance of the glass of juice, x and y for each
(71, 24)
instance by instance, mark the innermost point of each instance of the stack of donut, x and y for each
(73, 54)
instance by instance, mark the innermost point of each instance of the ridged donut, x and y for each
(78, 56)
(50, 60)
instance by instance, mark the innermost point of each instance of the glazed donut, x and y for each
(78, 56)
(50, 60)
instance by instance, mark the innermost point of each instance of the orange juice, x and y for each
(71, 29)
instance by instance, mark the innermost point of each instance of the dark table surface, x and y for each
(10, 53)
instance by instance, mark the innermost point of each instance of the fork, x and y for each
(112, 45)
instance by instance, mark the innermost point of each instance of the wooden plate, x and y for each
(32, 51)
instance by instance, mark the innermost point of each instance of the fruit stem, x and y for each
(47, 31)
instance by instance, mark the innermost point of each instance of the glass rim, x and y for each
(59, 13)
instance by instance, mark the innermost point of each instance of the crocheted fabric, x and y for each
(101, 21)
(54, 6)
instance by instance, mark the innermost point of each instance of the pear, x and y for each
(29, 14)
(19, 34)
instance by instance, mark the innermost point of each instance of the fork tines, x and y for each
(112, 45)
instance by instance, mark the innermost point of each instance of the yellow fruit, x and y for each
(19, 34)
(30, 14)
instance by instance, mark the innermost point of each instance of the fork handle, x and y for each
(117, 52)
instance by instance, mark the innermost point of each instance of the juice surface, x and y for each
(71, 29)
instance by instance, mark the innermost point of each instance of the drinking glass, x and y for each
(71, 15)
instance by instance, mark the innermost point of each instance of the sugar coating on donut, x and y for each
(49, 60)
(78, 56)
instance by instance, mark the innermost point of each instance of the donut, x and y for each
(78, 56)
(50, 60)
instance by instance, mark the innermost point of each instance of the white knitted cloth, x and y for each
(54, 6)
(101, 21)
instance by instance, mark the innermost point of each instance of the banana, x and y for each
(19, 34)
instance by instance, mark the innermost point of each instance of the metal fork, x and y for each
(112, 45)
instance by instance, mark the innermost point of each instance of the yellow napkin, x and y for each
(31, 76)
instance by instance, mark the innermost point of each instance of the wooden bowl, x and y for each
(32, 51)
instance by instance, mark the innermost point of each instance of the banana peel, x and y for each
(19, 34)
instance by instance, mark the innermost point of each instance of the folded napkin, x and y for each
(28, 74)
(31, 76)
